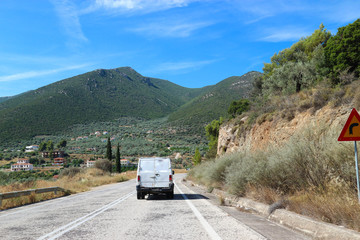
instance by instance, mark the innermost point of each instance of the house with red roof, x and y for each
(22, 164)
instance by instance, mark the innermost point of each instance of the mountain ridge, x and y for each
(96, 96)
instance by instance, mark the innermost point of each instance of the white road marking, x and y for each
(209, 229)
(68, 227)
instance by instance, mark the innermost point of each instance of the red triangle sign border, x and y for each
(342, 137)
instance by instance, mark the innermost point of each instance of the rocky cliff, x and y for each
(234, 136)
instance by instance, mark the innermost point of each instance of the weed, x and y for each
(210, 189)
(222, 200)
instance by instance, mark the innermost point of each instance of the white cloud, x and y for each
(32, 74)
(283, 35)
(263, 9)
(342, 12)
(178, 28)
(181, 66)
(140, 6)
(69, 19)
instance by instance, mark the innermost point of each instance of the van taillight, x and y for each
(138, 178)
(170, 177)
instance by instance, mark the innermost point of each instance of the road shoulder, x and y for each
(299, 223)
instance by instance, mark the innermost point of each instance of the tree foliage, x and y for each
(238, 107)
(342, 51)
(50, 146)
(62, 144)
(197, 157)
(297, 67)
(212, 133)
(108, 150)
(118, 163)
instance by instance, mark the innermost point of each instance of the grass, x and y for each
(312, 174)
(83, 180)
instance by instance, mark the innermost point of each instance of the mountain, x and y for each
(105, 95)
(214, 102)
(100, 95)
(3, 99)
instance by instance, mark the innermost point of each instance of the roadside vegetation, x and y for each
(73, 180)
(136, 137)
(312, 173)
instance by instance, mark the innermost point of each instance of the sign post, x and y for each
(357, 170)
(351, 132)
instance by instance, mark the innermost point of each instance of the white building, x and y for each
(124, 162)
(31, 148)
(90, 163)
(22, 165)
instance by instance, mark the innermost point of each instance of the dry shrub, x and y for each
(73, 181)
(265, 117)
(263, 194)
(335, 205)
(24, 200)
(104, 165)
(70, 172)
(130, 174)
(313, 170)
(321, 97)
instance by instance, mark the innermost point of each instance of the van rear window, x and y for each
(147, 165)
(161, 165)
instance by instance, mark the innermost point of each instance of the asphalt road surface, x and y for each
(113, 212)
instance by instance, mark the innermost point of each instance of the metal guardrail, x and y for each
(29, 192)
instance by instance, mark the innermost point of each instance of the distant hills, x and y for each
(105, 95)
(3, 99)
(214, 102)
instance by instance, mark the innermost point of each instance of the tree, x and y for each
(62, 144)
(42, 146)
(297, 67)
(238, 107)
(292, 77)
(108, 150)
(118, 163)
(197, 157)
(212, 133)
(342, 50)
(49, 145)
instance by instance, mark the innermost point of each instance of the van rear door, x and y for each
(147, 172)
(162, 171)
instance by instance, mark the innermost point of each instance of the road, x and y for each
(113, 212)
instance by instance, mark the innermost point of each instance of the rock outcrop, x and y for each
(234, 136)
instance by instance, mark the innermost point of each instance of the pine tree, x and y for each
(118, 163)
(197, 157)
(108, 150)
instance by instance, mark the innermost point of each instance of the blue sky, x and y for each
(193, 43)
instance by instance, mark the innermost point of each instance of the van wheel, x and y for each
(143, 196)
(139, 195)
(170, 195)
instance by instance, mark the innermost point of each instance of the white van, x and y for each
(154, 175)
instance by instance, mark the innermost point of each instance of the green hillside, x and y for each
(214, 102)
(3, 99)
(100, 95)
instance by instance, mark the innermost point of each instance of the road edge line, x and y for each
(209, 229)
